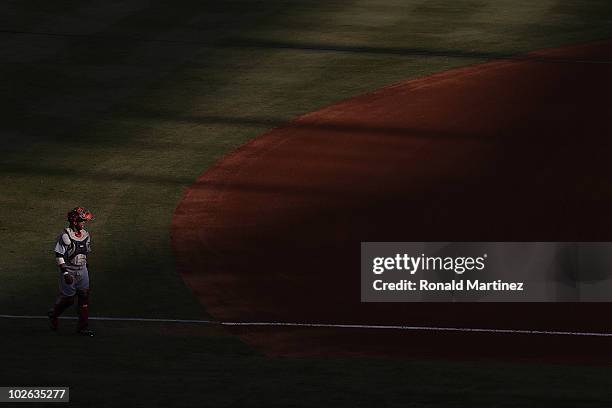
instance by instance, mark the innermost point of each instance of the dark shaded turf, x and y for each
(173, 365)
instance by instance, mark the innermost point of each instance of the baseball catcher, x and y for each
(71, 250)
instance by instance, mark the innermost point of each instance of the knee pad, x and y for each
(61, 303)
(83, 295)
(64, 300)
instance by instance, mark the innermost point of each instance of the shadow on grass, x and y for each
(318, 47)
(382, 130)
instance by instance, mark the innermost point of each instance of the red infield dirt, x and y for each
(510, 150)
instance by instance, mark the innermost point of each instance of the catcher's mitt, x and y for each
(68, 278)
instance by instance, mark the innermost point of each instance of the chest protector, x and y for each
(78, 249)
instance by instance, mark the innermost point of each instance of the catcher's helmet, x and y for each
(79, 214)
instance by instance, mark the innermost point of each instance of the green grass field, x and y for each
(156, 365)
(118, 107)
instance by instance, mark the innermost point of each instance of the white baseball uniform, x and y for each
(71, 249)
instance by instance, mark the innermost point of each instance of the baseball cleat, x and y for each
(87, 332)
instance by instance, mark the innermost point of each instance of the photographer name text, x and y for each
(457, 285)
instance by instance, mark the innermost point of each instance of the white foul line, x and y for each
(327, 325)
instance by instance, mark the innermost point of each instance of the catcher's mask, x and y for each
(79, 214)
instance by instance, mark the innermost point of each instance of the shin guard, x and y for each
(61, 304)
(83, 308)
